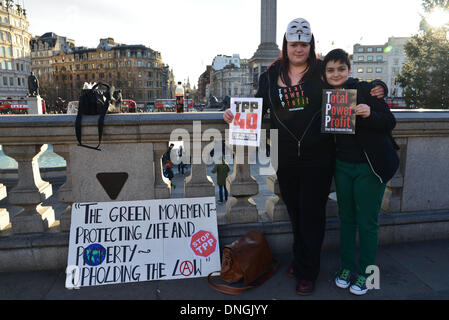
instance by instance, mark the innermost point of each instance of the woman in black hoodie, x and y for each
(291, 89)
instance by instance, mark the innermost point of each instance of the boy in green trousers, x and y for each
(366, 161)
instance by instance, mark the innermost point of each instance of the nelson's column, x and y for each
(268, 50)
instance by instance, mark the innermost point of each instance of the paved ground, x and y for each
(407, 271)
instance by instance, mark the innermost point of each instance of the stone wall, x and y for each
(415, 207)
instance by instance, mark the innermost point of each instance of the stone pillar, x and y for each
(198, 184)
(161, 188)
(4, 214)
(393, 193)
(268, 50)
(275, 207)
(268, 21)
(35, 105)
(30, 191)
(65, 194)
(392, 197)
(241, 185)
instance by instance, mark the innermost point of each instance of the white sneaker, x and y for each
(359, 287)
(343, 278)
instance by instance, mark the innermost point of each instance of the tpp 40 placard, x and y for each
(247, 124)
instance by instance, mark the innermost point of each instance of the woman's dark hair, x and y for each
(284, 63)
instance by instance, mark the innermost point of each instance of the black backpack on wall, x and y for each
(99, 100)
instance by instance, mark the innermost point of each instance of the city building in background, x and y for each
(62, 68)
(222, 61)
(231, 80)
(43, 49)
(137, 70)
(203, 85)
(235, 77)
(230, 76)
(15, 61)
(396, 57)
(168, 82)
(383, 62)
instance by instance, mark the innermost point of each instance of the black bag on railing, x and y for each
(96, 101)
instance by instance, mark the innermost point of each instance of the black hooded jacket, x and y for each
(373, 134)
(304, 126)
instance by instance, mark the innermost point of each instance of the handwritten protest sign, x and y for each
(121, 242)
(337, 115)
(245, 130)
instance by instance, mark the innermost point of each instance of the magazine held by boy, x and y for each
(338, 117)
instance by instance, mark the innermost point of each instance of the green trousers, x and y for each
(359, 195)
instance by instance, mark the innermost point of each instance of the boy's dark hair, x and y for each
(337, 55)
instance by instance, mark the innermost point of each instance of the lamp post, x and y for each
(187, 100)
(184, 85)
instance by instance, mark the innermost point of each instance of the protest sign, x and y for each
(121, 242)
(337, 115)
(247, 124)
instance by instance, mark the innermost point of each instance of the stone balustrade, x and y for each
(4, 214)
(128, 167)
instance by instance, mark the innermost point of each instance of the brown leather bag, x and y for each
(248, 259)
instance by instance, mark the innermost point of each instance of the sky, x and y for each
(190, 33)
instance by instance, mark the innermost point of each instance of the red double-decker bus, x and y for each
(398, 103)
(13, 106)
(128, 106)
(169, 105)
